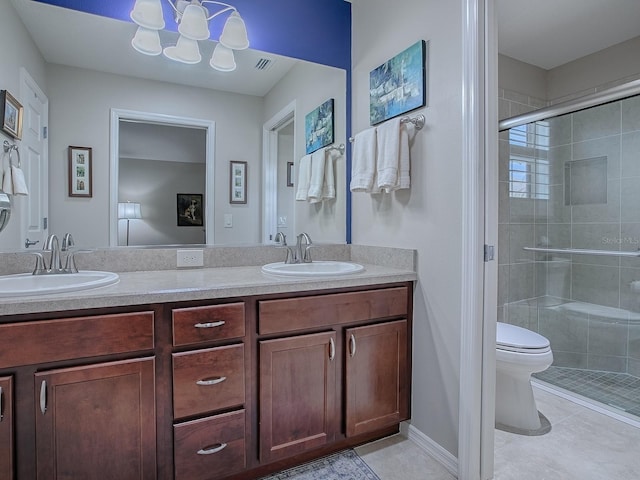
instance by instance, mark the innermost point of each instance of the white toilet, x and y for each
(519, 353)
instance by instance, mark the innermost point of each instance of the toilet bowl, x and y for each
(519, 353)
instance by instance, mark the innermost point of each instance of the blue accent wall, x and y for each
(314, 30)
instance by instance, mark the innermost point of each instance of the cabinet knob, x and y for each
(211, 381)
(332, 349)
(210, 324)
(212, 449)
(352, 345)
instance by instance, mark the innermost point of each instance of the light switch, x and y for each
(228, 220)
(282, 221)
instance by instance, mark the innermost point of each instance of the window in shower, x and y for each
(528, 161)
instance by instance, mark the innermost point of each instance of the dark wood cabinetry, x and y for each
(297, 394)
(376, 382)
(202, 390)
(97, 422)
(6, 428)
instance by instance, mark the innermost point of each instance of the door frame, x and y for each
(209, 126)
(479, 277)
(270, 169)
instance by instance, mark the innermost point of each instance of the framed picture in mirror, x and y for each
(238, 182)
(11, 115)
(190, 209)
(80, 172)
(318, 127)
(290, 174)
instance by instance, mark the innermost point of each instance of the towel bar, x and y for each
(418, 121)
(581, 251)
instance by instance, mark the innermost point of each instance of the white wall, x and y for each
(80, 113)
(286, 198)
(311, 85)
(18, 50)
(428, 216)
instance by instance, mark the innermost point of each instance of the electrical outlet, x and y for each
(192, 257)
(228, 220)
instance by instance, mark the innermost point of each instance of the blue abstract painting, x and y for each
(318, 127)
(398, 85)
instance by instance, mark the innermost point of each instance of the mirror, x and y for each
(85, 86)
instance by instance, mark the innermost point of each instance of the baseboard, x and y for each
(441, 455)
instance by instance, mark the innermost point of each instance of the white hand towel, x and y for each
(7, 182)
(388, 158)
(304, 175)
(318, 161)
(404, 175)
(363, 166)
(329, 185)
(19, 184)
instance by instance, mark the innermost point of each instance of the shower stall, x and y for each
(569, 241)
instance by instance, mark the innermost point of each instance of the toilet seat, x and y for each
(512, 338)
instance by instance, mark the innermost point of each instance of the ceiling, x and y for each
(78, 39)
(545, 33)
(549, 33)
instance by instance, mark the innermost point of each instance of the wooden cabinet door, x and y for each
(6, 428)
(297, 394)
(97, 422)
(376, 383)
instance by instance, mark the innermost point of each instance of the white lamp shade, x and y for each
(129, 210)
(147, 41)
(148, 14)
(185, 51)
(223, 59)
(194, 23)
(234, 33)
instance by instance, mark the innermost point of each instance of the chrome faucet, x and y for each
(52, 245)
(303, 255)
(281, 242)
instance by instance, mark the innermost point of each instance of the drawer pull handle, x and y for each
(43, 396)
(352, 345)
(1, 411)
(211, 381)
(209, 324)
(332, 349)
(212, 449)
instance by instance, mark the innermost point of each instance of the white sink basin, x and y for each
(314, 269)
(24, 284)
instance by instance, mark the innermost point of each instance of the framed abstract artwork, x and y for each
(398, 85)
(319, 127)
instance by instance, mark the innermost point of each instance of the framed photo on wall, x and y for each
(80, 172)
(238, 182)
(290, 174)
(11, 115)
(189, 209)
(398, 85)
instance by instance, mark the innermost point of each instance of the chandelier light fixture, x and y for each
(192, 18)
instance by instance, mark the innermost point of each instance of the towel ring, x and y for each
(10, 148)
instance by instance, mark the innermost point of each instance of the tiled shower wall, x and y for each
(587, 197)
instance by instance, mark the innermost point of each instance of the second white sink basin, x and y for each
(314, 269)
(24, 284)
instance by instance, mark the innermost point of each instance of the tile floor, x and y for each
(582, 445)
(619, 390)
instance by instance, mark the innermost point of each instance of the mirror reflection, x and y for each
(80, 85)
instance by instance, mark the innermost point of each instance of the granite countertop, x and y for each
(145, 287)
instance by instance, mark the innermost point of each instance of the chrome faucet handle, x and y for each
(40, 267)
(70, 262)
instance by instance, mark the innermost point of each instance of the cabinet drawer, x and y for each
(195, 325)
(29, 343)
(208, 380)
(210, 447)
(325, 310)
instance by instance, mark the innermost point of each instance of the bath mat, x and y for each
(346, 465)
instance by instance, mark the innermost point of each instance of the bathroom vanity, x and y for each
(209, 381)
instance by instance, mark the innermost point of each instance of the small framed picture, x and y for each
(238, 182)
(290, 174)
(190, 209)
(80, 172)
(11, 114)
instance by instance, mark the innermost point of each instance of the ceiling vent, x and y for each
(264, 64)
